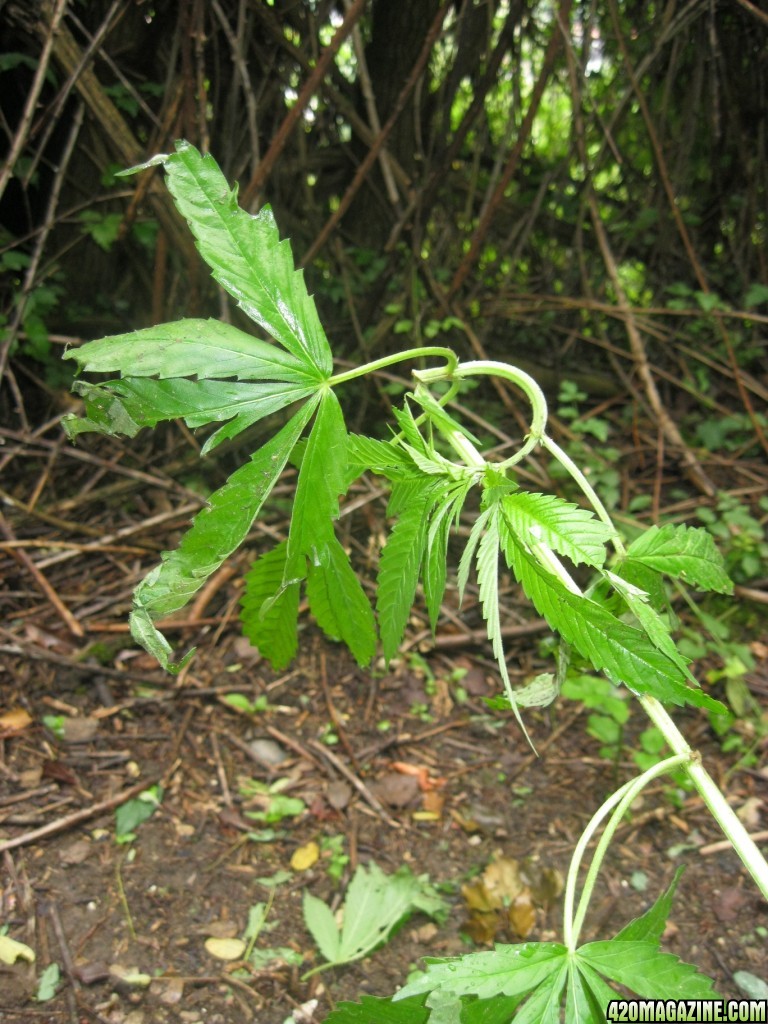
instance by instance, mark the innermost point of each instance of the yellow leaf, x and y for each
(15, 719)
(225, 949)
(305, 856)
(11, 950)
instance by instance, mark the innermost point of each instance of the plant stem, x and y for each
(426, 352)
(718, 806)
(621, 800)
(567, 463)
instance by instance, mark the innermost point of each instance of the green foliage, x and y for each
(214, 375)
(536, 981)
(375, 904)
(133, 813)
(741, 536)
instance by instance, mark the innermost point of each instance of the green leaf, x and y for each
(132, 813)
(190, 348)
(647, 971)
(622, 651)
(48, 983)
(374, 904)
(215, 533)
(573, 532)
(468, 554)
(338, 602)
(684, 552)
(269, 610)
(247, 257)
(321, 923)
(498, 1010)
(381, 457)
(507, 970)
(653, 625)
(587, 995)
(372, 1009)
(125, 406)
(543, 1005)
(649, 927)
(322, 478)
(436, 557)
(401, 559)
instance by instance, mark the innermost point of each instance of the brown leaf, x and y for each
(15, 720)
(522, 915)
(483, 928)
(477, 898)
(395, 789)
(503, 881)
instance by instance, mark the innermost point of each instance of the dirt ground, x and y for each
(405, 766)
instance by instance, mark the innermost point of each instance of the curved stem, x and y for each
(426, 352)
(618, 802)
(492, 368)
(718, 806)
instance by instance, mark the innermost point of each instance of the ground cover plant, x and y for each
(608, 610)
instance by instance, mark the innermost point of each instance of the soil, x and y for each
(404, 766)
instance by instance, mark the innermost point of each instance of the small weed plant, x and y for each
(209, 372)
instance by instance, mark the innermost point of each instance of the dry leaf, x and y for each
(225, 949)
(503, 881)
(395, 789)
(15, 720)
(433, 802)
(305, 856)
(522, 915)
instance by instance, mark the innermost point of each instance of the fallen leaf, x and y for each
(395, 789)
(433, 802)
(131, 977)
(11, 950)
(305, 856)
(16, 719)
(225, 949)
(522, 915)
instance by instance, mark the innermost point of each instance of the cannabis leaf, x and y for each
(338, 603)
(191, 348)
(269, 609)
(571, 531)
(382, 1011)
(215, 533)
(186, 370)
(125, 406)
(374, 904)
(401, 558)
(247, 257)
(624, 652)
(322, 478)
(544, 973)
(684, 552)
